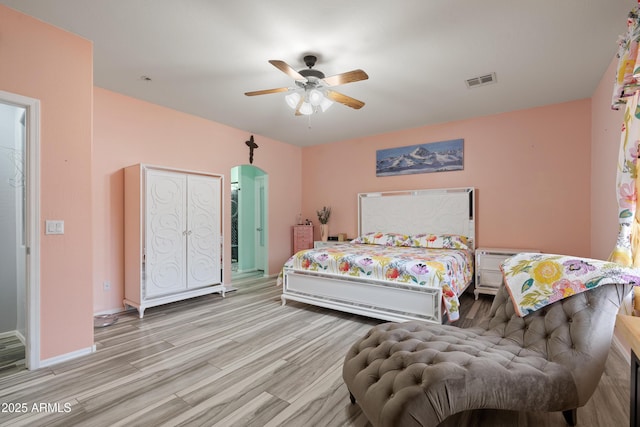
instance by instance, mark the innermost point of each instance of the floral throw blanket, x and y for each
(447, 269)
(537, 280)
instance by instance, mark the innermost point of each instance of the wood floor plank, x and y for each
(154, 414)
(244, 360)
(12, 355)
(127, 399)
(310, 401)
(226, 395)
(64, 387)
(255, 413)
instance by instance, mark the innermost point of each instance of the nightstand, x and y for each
(488, 273)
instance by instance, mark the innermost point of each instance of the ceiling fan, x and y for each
(312, 92)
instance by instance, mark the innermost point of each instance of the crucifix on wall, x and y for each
(252, 146)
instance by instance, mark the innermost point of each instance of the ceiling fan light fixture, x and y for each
(292, 100)
(311, 94)
(306, 109)
(315, 97)
(325, 104)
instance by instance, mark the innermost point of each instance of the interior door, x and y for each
(13, 249)
(203, 230)
(165, 232)
(261, 223)
(23, 157)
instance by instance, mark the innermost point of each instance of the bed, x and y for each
(412, 259)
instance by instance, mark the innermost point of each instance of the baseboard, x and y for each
(110, 311)
(228, 287)
(21, 337)
(66, 357)
(250, 271)
(249, 279)
(623, 349)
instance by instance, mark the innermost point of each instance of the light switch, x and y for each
(54, 227)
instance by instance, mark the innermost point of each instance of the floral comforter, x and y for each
(449, 269)
(537, 280)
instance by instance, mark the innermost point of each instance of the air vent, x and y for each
(481, 80)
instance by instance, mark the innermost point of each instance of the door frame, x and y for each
(32, 177)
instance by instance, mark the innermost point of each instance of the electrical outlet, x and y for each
(106, 286)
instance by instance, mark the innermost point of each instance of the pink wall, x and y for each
(606, 125)
(129, 131)
(545, 176)
(56, 67)
(531, 169)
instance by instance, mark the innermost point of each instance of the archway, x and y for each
(249, 222)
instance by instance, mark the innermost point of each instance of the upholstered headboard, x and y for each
(436, 211)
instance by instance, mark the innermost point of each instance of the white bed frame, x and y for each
(440, 211)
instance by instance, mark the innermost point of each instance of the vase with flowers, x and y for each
(323, 217)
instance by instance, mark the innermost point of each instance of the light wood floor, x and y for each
(240, 361)
(11, 355)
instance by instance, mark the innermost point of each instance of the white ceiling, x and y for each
(202, 55)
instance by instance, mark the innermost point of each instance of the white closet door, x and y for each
(203, 225)
(165, 233)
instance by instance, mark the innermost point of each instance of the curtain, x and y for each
(628, 70)
(628, 240)
(626, 92)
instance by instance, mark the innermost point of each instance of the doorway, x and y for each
(19, 248)
(249, 222)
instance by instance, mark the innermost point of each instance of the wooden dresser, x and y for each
(302, 237)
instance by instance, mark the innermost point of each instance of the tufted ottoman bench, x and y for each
(418, 374)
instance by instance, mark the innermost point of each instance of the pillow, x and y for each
(440, 241)
(424, 240)
(386, 239)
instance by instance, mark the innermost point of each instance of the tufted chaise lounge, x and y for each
(418, 374)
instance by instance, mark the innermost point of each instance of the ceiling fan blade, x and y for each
(267, 91)
(344, 78)
(344, 99)
(298, 113)
(285, 68)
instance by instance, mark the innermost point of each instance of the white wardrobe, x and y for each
(172, 235)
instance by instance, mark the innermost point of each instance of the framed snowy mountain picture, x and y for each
(422, 158)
